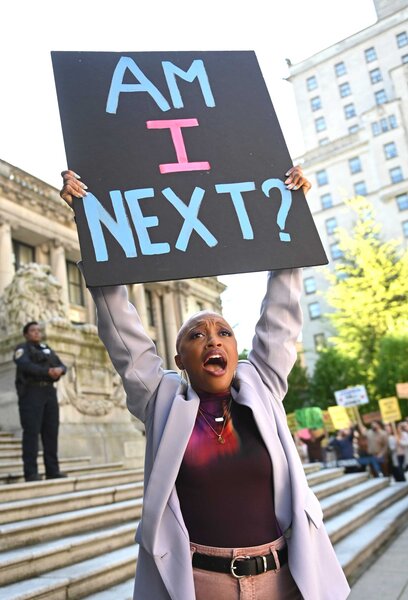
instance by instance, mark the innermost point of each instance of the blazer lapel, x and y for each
(169, 455)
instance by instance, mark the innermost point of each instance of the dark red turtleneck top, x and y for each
(226, 490)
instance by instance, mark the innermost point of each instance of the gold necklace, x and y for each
(227, 413)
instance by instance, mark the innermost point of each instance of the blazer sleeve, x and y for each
(132, 352)
(274, 345)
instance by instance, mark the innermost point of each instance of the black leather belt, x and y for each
(240, 566)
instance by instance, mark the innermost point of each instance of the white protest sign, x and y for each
(352, 396)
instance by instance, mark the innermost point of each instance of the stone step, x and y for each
(9, 444)
(69, 469)
(324, 475)
(17, 465)
(17, 565)
(312, 467)
(78, 580)
(7, 435)
(123, 591)
(332, 486)
(11, 512)
(36, 531)
(356, 551)
(37, 489)
(357, 515)
(336, 503)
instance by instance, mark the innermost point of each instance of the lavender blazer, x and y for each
(168, 407)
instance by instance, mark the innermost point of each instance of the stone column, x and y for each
(6, 254)
(139, 299)
(170, 325)
(59, 268)
(90, 308)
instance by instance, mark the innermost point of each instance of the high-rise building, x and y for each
(352, 100)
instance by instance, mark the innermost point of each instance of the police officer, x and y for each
(38, 368)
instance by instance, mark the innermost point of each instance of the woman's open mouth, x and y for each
(215, 363)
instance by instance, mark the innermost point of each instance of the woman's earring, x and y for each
(184, 375)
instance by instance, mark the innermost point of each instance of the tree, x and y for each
(392, 367)
(298, 395)
(333, 371)
(369, 290)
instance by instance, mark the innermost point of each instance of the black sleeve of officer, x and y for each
(26, 365)
(60, 363)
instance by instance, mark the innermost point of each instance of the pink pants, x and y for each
(272, 585)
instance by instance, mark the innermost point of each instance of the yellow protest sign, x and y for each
(390, 410)
(339, 417)
(328, 423)
(292, 423)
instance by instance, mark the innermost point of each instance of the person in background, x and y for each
(38, 368)
(373, 447)
(313, 443)
(227, 512)
(397, 444)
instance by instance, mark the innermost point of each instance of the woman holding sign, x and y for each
(227, 511)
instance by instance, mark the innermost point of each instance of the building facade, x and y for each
(36, 226)
(39, 280)
(352, 100)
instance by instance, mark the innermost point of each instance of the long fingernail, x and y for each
(288, 173)
(76, 175)
(290, 186)
(296, 187)
(288, 180)
(85, 187)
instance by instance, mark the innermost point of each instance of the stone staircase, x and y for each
(74, 538)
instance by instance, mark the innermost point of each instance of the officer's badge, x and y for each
(18, 353)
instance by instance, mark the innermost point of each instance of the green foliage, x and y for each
(333, 371)
(392, 367)
(298, 395)
(369, 291)
(243, 355)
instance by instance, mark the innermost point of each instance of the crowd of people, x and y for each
(383, 449)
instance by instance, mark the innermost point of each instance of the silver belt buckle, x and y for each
(233, 567)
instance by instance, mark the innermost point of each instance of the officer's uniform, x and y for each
(38, 406)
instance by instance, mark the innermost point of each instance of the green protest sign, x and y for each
(309, 418)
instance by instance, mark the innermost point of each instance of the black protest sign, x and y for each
(185, 162)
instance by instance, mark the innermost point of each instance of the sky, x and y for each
(30, 132)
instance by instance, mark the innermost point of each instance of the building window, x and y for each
(320, 124)
(326, 201)
(331, 225)
(380, 97)
(335, 251)
(354, 128)
(370, 54)
(311, 83)
(322, 178)
(360, 188)
(323, 141)
(392, 120)
(402, 39)
(390, 150)
(396, 175)
(319, 341)
(75, 290)
(402, 201)
(349, 111)
(340, 69)
(149, 308)
(314, 310)
(345, 89)
(355, 165)
(23, 254)
(405, 228)
(375, 76)
(375, 128)
(404, 59)
(309, 285)
(316, 103)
